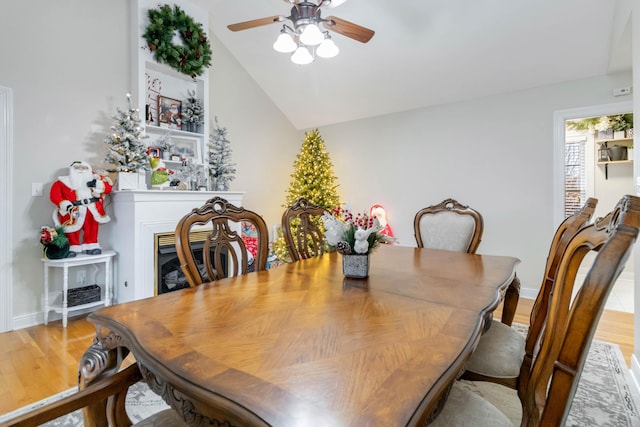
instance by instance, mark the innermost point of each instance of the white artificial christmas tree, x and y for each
(192, 112)
(221, 170)
(127, 152)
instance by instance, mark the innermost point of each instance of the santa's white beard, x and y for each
(78, 180)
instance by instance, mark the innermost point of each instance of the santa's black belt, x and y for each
(85, 201)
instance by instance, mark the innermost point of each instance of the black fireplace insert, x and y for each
(169, 276)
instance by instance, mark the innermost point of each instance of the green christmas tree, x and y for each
(127, 152)
(221, 170)
(313, 179)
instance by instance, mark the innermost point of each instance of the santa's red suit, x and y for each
(80, 201)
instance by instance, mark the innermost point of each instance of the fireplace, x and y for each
(138, 215)
(169, 276)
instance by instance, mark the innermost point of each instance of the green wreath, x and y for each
(193, 56)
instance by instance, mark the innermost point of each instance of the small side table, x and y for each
(64, 263)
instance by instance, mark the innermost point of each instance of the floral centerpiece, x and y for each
(353, 236)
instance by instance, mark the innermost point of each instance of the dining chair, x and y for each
(453, 226)
(448, 225)
(302, 229)
(105, 398)
(224, 252)
(544, 399)
(502, 349)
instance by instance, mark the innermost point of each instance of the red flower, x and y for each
(47, 235)
(251, 243)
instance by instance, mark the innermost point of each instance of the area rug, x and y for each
(604, 397)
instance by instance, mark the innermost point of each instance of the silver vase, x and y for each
(355, 266)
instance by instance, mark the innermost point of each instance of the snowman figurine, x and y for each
(361, 244)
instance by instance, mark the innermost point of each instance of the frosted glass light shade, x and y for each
(311, 35)
(301, 56)
(327, 49)
(284, 43)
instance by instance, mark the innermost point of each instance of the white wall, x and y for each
(494, 154)
(263, 141)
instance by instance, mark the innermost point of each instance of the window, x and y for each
(575, 189)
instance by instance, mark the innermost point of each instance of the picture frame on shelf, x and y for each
(187, 148)
(169, 112)
(154, 151)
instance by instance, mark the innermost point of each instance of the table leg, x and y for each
(107, 282)
(65, 287)
(46, 294)
(511, 297)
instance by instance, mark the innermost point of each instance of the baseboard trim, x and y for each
(27, 320)
(37, 318)
(529, 293)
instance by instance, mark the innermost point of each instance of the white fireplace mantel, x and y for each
(136, 216)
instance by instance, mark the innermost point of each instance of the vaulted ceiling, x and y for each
(427, 52)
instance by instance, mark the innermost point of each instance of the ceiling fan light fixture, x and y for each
(311, 35)
(327, 49)
(284, 43)
(302, 37)
(301, 56)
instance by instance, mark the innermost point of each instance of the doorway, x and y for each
(583, 167)
(6, 172)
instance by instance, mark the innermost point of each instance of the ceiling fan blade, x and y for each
(255, 23)
(348, 29)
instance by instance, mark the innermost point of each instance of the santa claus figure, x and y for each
(380, 213)
(79, 198)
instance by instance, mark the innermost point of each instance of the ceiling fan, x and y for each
(305, 33)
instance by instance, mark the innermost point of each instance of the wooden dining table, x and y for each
(301, 345)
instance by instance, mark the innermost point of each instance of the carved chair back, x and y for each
(538, 317)
(302, 230)
(224, 247)
(448, 225)
(571, 322)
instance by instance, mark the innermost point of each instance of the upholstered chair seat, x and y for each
(499, 353)
(468, 406)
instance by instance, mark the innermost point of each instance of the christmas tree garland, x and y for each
(190, 58)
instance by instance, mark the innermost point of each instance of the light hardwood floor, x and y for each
(40, 361)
